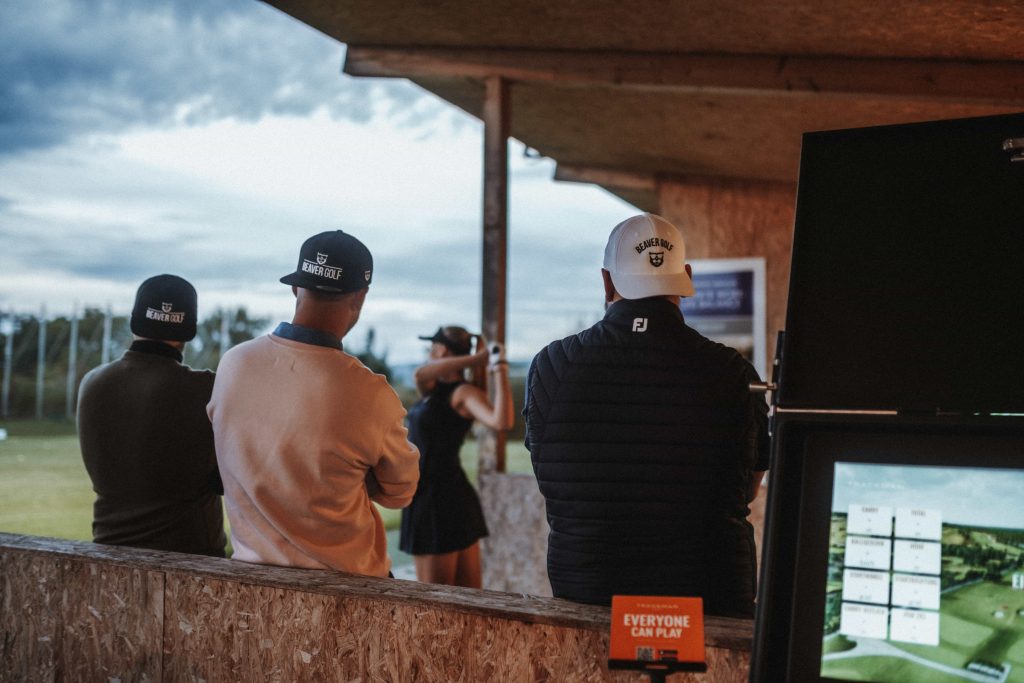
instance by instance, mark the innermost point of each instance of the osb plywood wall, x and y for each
(737, 219)
(78, 612)
(514, 555)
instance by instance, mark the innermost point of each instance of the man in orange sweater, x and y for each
(306, 435)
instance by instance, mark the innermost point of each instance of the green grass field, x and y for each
(903, 672)
(45, 491)
(979, 622)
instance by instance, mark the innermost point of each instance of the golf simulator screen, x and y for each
(923, 578)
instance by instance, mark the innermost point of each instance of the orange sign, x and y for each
(656, 630)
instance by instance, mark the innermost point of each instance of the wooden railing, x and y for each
(74, 611)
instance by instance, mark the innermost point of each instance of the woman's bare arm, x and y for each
(426, 375)
(472, 402)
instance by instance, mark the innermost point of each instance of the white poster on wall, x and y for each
(729, 306)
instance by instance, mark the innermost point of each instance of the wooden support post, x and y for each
(495, 241)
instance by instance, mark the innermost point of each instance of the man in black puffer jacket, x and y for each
(646, 441)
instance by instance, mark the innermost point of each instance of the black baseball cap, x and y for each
(332, 261)
(456, 339)
(165, 308)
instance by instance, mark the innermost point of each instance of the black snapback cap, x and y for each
(165, 308)
(332, 261)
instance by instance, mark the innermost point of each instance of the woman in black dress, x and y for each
(443, 525)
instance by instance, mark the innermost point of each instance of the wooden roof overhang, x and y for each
(624, 93)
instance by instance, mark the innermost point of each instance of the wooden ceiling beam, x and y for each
(962, 81)
(607, 177)
(638, 189)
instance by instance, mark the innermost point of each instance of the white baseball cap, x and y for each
(646, 257)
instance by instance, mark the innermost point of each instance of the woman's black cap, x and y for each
(455, 339)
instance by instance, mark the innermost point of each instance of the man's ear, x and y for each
(609, 286)
(689, 270)
(358, 298)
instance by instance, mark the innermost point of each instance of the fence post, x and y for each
(225, 332)
(41, 363)
(69, 404)
(105, 352)
(8, 364)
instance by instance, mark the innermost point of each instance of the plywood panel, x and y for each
(515, 553)
(228, 631)
(29, 616)
(133, 614)
(112, 620)
(732, 219)
(750, 135)
(967, 29)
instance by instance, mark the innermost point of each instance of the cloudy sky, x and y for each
(962, 495)
(210, 138)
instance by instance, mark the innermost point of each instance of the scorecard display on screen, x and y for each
(925, 575)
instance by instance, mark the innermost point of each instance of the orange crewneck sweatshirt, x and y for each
(306, 436)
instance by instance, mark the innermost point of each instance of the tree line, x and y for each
(103, 337)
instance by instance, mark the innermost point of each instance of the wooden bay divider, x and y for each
(77, 611)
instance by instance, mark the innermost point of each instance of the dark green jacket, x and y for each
(147, 444)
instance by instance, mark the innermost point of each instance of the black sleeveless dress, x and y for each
(445, 514)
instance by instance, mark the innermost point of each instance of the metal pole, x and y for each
(8, 364)
(69, 392)
(225, 332)
(41, 363)
(105, 352)
(496, 112)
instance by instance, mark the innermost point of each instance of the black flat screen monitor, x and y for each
(909, 559)
(907, 281)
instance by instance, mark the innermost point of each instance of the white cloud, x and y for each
(78, 67)
(228, 204)
(329, 167)
(163, 137)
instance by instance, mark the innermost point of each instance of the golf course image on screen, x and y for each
(925, 574)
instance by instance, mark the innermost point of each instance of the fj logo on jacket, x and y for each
(639, 324)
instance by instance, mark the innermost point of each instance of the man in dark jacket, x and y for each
(646, 441)
(146, 441)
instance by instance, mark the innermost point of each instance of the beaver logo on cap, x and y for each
(657, 258)
(166, 306)
(321, 258)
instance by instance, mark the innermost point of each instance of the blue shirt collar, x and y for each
(307, 335)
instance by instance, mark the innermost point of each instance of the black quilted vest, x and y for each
(643, 437)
